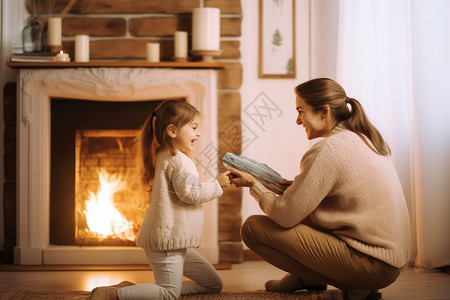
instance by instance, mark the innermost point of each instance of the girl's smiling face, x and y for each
(186, 136)
(314, 122)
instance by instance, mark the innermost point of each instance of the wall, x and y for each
(324, 38)
(12, 16)
(281, 142)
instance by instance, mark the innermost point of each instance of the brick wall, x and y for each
(119, 30)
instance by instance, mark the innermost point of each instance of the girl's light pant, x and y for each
(169, 268)
(314, 256)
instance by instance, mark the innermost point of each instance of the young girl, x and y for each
(172, 225)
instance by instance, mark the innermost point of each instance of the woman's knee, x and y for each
(253, 227)
(247, 227)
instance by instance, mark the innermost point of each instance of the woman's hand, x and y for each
(224, 179)
(286, 182)
(240, 179)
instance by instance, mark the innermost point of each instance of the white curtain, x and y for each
(394, 57)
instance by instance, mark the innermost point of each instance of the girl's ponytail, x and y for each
(145, 145)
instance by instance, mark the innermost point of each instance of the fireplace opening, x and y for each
(93, 180)
(107, 188)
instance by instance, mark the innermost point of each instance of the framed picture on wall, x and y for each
(276, 38)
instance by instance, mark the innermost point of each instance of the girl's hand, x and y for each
(240, 179)
(286, 182)
(224, 179)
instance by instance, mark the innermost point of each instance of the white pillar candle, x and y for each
(82, 48)
(206, 28)
(153, 52)
(54, 31)
(181, 44)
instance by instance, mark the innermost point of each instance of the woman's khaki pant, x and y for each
(314, 256)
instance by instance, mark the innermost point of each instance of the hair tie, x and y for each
(347, 99)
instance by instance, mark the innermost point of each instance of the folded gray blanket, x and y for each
(263, 173)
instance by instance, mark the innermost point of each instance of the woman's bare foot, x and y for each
(290, 283)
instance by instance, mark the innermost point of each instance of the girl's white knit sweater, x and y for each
(174, 218)
(346, 189)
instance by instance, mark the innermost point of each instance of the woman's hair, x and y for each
(324, 91)
(153, 135)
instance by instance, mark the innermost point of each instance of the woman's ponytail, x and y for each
(360, 124)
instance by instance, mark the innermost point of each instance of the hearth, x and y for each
(76, 126)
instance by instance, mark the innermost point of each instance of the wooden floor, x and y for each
(249, 275)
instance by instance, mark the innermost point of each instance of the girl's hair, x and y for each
(324, 91)
(154, 137)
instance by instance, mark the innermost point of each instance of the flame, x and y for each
(102, 217)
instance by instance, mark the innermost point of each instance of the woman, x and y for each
(343, 220)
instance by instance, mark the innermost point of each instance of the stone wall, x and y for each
(119, 30)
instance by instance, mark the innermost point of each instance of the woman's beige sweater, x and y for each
(174, 218)
(347, 190)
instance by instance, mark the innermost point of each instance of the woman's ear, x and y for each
(325, 111)
(171, 131)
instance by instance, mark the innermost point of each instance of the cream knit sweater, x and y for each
(347, 190)
(174, 218)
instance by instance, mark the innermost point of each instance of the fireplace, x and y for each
(42, 94)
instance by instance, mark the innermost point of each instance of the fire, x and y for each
(102, 217)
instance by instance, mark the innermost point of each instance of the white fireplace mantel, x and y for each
(37, 86)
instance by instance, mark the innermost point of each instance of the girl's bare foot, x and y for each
(108, 292)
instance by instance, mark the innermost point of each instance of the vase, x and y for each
(32, 35)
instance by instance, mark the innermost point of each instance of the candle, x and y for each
(206, 28)
(82, 48)
(61, 56)
(152, 52)
(54, 32)
(181, 44)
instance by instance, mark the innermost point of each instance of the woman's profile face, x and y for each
(314, 122)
